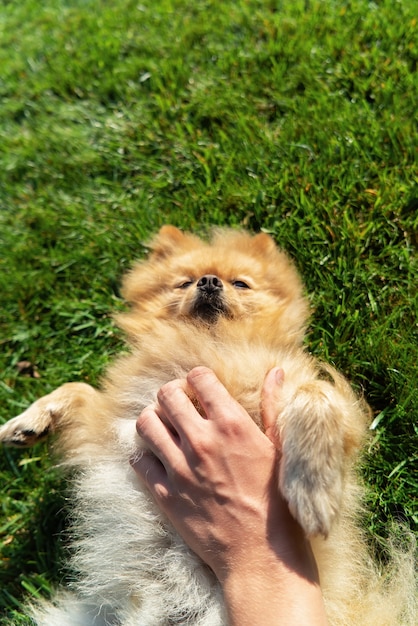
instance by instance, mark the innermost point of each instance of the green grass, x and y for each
(298, 118)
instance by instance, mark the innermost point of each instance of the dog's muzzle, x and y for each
(209, 302)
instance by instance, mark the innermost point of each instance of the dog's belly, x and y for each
(130, 561)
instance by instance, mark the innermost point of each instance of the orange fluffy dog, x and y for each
(234, 304)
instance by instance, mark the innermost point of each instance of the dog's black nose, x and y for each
(210, 283)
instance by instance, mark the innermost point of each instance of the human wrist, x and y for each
(267, 596)
(267, 587)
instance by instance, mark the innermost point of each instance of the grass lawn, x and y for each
(298, 118)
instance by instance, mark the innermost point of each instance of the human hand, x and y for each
(215, 478)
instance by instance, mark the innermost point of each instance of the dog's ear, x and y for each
(263, 244)
(171, 240)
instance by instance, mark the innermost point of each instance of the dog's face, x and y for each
(208, 297)
(234, 277)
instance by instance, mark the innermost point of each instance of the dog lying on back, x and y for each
(234, 304)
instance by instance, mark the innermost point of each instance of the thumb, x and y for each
(270, 399)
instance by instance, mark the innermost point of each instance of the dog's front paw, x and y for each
(313, 458)
(68, 408)
(313, 495)
(27, 428)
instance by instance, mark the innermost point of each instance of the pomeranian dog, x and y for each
(235, 304)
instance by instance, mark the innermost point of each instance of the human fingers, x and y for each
(175, 408)
(152, 474)
(161, 439)
(213, 397)
(270, 397)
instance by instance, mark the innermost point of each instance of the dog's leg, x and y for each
(49, 414)
(319, 429)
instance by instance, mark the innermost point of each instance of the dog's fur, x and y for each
(234, 304)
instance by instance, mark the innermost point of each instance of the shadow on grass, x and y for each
(34, 541)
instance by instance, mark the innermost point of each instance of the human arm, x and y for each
(215, 477)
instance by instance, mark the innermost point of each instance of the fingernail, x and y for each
(279, 375)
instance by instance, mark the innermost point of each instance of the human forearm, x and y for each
(268, 593)
(272, 579)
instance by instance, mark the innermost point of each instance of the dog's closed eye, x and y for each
(184, 284)
(240, 284)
